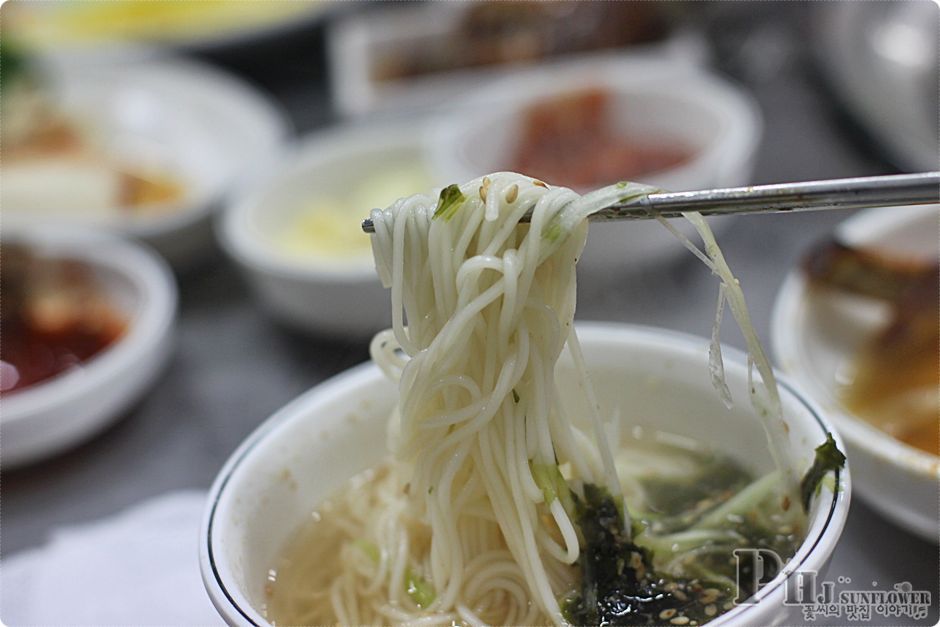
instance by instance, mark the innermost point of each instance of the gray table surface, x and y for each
(233, 366)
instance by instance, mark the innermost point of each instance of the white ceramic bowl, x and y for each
(815, 334)
(62, 411)
(650, 98)
(875, 55)
(43, 28)
(200, 124)
(308, 449)
(357, 44)
(323, 296)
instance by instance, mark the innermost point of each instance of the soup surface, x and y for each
(671, 486)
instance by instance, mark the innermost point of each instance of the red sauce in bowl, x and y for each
(55, 318)
(569, 141)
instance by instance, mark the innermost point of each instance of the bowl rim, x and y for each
(337, 143)
(828, 533)
(151, 279)
(793, 294)
(147, 73)
(666, 79)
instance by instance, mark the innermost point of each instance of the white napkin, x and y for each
(140, 567)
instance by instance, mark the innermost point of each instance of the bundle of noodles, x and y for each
(496, 505)
(489, 307)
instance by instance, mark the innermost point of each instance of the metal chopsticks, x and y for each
(850, 193)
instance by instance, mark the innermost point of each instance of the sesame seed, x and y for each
(666, 614)
(512, 193)
(484, 188)
(709, 595)
(680, 620)
(711, 610)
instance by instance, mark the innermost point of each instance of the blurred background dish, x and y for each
(295, 231)
(574, 140)
(595, 121)
(87, 327)
(90, 28)
(876, 56)
(148, 149)
(423, 56)
(857, 327)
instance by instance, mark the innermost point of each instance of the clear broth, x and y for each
(669, 483)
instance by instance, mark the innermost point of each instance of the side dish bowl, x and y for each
(51, 415)
(307, 450)
(654, 100)
(815, 335)
(363, 42)
(204, 129)
(107, 33)
(339, 295)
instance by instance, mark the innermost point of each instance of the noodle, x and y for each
(472, 522)
(489, 302)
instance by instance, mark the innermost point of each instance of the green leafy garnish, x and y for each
(371, 550)
(618, 586)
(618, 583)
(549, 479)
(12, 64)
(553, 231)
(450, 200)
(828, 458)
(418, 588)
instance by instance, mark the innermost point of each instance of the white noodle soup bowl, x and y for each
(656, 379)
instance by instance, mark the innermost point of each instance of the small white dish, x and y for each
(66, 409)
(815, 333)
(650, 98)
(198, 124)
(106, 34)
(360, 42)
(308, 449)
(316, 294)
